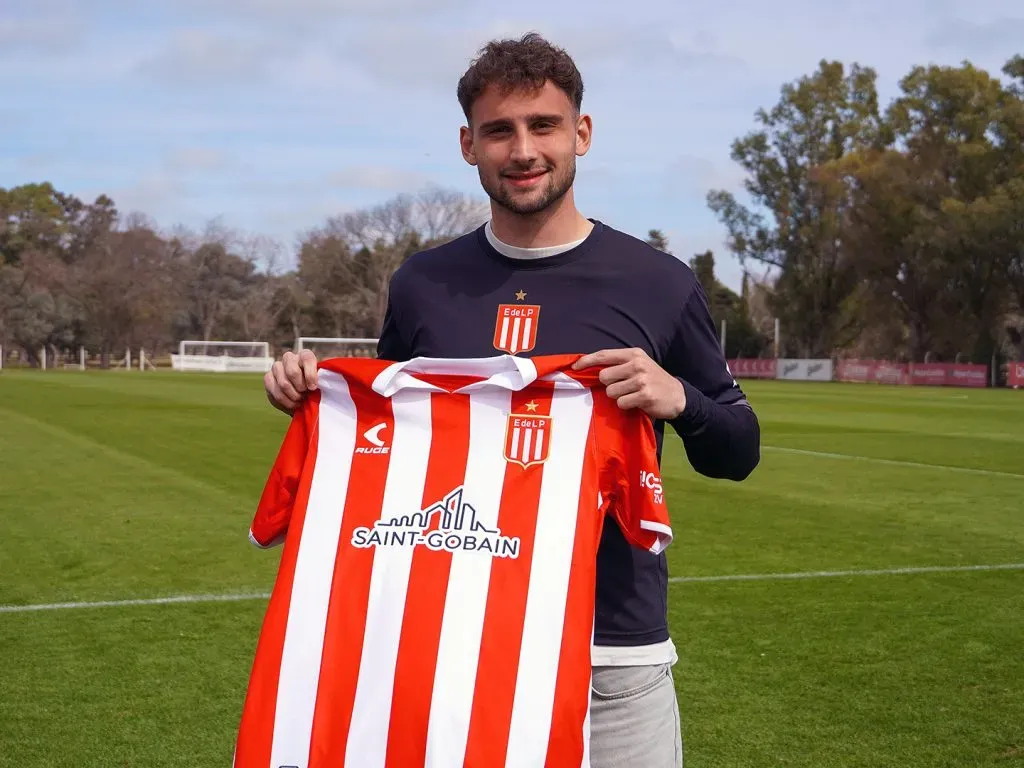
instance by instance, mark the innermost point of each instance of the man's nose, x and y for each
(523, 149)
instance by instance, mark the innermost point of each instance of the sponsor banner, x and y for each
(949, 375)
(968, 376)
(753, 368)
(930, 374)
(919, 374)
(1015, 375)
(876, 371)
(805, 370)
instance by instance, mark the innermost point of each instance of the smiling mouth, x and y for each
(525, 179)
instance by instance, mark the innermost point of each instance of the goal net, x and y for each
(325, 347)
(223, 356)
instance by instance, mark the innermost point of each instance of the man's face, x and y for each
(524, 145)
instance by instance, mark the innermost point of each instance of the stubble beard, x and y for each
(556, 188)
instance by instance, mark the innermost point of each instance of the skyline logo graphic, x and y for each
(449, 525)
(515, 328)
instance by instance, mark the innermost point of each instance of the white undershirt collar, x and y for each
(515, 252)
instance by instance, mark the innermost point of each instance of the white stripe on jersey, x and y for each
(314, 568)
(549, 579)
(462, 627)
(389, 582)
(585, 762)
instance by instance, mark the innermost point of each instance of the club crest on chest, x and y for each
(515, 327)
(527, 438)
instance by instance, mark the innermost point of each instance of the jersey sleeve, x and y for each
(631, 477)
(269, 526)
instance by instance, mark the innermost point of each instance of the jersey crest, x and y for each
(527, 437)
(515, 328)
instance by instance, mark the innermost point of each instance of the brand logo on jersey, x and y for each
(376, 442)
(652, 482)
(449, 525)
(515, 329)
(527, 437)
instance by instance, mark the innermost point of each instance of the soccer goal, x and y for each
(326, 347)
(223, 356)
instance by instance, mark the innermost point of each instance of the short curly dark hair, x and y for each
(524, 63)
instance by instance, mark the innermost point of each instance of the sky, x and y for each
(272, 115)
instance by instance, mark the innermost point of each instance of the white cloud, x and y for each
(974, 38)
(312, 10)
(154, 191)
(197, 159)
(277, 113)
(46, 35)
(693, 175)
(198, 57)
(406, 55)
(380, 178)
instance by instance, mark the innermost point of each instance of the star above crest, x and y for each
(521, 294)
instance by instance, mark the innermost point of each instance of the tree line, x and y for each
(895, 233)
(75, 274)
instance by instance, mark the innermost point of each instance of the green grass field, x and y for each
(123, 485)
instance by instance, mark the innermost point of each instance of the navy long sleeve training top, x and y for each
(466, 299)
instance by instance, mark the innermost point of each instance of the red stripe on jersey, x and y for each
(256, 728)
(428, 586)
(498, 666)
(572, 686)
(350, 586)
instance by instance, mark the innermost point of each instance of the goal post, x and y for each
(223, 356)
(325, 347)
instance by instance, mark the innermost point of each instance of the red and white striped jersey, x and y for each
(434, 604)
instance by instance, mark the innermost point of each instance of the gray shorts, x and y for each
(634, 718)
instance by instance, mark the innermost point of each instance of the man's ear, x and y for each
(584, 134)
(466, 144)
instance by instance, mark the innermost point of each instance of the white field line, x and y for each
(231, 598)
(894, 462)
(839, 574)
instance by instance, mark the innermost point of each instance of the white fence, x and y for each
(221, 363)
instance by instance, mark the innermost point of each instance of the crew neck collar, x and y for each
(574, 253)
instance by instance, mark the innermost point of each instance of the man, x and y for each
(540, 278)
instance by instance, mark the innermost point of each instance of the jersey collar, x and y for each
(504, 371)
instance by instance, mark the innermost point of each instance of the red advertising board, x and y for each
(1015, 375)
(878, 371)
(920, 374)
(968, 376)
(753, 368)
(949, 375)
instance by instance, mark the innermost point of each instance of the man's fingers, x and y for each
(281, 403)
(624, 387)
(274, 394)
(287, 383)
(633, 400)
(293, 371)
(308, 362)
(603, 357)
(609, 357)
(615, 373)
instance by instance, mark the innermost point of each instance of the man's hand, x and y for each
(289, 379)
(634, 380)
